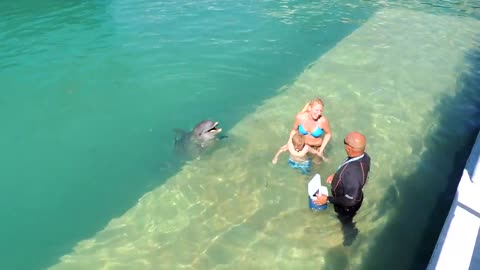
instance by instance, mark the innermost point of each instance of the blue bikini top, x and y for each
(317, 133)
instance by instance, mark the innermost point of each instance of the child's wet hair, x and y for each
(298, 140)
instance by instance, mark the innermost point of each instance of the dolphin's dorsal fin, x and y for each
(221, 137)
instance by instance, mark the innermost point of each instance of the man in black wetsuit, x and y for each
(347, 183)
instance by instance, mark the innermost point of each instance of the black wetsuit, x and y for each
(347, 194)
(348, 182)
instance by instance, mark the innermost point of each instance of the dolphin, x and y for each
(202, 136)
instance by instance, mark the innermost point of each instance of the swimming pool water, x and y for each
(92, 91)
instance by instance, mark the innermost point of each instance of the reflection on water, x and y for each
(232, 209)
(470, 8)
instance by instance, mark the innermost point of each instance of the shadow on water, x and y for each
(462, 134)
(419, 211)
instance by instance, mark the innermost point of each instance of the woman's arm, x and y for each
(312, 150)
(317, 152)
(327, 137)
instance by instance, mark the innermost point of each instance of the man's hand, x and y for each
(320, 200)
(330, 178)
(275, 160)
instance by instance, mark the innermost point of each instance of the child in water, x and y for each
(298, 153)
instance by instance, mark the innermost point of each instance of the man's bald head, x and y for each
(356, 140)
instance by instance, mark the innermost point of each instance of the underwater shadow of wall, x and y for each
(426, 194)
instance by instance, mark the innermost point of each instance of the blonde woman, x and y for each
(311, 123)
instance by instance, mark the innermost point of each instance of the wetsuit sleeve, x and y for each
(351, 186)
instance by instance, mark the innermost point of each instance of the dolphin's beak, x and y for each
(214, 129)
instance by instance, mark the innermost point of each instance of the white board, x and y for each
(315, 185)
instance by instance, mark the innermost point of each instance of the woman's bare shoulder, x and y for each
(324, 124)
(300, 116)
(323, 120)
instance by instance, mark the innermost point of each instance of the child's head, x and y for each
(298, 141)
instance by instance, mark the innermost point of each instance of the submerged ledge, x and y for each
(233, 210)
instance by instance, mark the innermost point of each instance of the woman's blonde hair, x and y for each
(312, 103)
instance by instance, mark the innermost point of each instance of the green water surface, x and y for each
(92, 90)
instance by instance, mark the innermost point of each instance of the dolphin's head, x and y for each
(206, 130)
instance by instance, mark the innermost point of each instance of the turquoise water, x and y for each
(92, 90)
